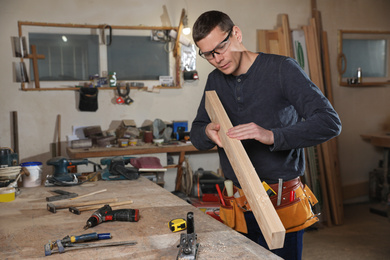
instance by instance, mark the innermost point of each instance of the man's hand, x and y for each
(251, 131)
(212, 130)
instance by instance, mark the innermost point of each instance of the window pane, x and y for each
(137, 58)
(67, 56)
(370, 55)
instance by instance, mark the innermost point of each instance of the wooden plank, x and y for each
(265, 213)
(332, 175)
(287, 37)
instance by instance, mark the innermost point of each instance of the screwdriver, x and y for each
(85, 237)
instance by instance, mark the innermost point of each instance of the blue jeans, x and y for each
(293, 242)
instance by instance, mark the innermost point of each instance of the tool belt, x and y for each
(294, 212)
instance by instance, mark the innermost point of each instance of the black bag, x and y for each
(88, 99)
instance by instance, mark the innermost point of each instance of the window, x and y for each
(368, 50)
(67, 56)
(369, 55)
(126, 55)
(75, 57)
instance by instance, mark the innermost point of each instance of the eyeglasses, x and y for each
(220, 49)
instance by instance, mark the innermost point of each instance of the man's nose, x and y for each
(218, 57)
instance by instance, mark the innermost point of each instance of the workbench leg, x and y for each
(179, 174)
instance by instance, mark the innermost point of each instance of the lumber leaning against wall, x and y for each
(262, 208)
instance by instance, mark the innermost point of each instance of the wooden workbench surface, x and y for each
(26, 226)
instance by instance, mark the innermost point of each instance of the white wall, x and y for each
(37, 111)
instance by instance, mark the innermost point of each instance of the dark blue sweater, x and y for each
(277, 95)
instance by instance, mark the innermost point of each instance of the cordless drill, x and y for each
(106, 213)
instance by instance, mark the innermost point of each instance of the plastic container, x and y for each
(7, 194)
(35, 178)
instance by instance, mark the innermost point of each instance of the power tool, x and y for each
(106, 213)
(116, 169)
(61, 174)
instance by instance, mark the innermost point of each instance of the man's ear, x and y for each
(237, 33)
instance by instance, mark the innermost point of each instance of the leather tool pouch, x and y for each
(232, 214)
(88, 99)
(296, 214)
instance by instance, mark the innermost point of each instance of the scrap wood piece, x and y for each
(263, 210)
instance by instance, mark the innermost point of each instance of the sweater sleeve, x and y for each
(198, 129)
(320, 122)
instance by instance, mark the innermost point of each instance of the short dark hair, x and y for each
(207, 21)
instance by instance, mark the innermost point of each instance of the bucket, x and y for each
(35, 178)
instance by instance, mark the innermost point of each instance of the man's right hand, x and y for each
(212, 130)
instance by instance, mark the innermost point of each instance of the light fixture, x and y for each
(186, 28)
(64, 39)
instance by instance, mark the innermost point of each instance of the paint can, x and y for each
(35, 177)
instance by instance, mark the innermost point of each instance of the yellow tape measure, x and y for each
(177, 224)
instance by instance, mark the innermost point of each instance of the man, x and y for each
(275, 110)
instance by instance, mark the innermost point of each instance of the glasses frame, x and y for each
(212, 52)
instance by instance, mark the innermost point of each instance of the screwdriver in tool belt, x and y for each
(105, 213)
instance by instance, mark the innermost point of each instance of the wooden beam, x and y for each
(263, 210)
(34, 56)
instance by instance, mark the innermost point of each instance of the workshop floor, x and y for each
(363, 235)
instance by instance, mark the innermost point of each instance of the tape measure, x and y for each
(268, 189)
(178, 224)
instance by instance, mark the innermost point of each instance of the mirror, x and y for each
(363, 58)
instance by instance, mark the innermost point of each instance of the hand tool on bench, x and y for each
(53, 208)
(63, 195)
(78, 211)
(69, 240)
(73, 242)
(62, 249)
(188, 244)
(88, 194)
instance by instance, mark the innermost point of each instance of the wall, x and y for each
(37, 111)
(362, 110)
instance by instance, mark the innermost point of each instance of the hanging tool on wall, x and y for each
(124, 98)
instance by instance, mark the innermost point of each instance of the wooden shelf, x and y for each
(364, 84)
(100, 88)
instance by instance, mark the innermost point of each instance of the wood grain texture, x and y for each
(265, 213)
(26, 226)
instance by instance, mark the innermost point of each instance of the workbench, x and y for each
(26, 225)
(180, 148)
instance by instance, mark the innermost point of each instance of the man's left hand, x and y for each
(251, 131)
